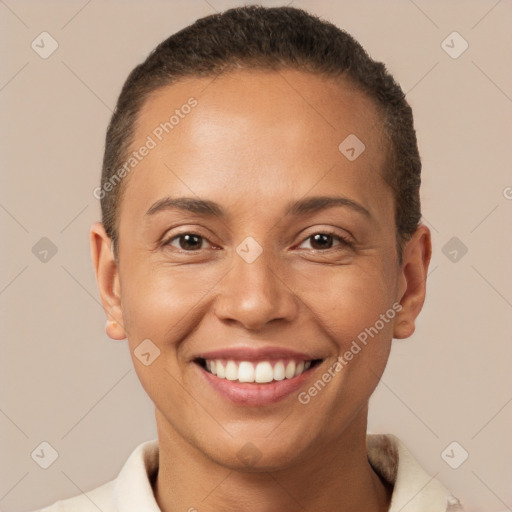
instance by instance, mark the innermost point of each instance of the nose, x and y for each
(255, 294)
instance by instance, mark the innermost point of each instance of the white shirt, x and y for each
(414, 490)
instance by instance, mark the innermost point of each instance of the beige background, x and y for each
(64, 382)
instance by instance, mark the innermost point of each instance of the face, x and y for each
(251, 247)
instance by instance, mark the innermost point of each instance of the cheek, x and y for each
(163, 303)
(353, 309)
(351, 299)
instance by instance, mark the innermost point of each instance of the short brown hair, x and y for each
(269, 38)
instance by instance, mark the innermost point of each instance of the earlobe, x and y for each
(412, 285)
(107, 277)
(115, 330)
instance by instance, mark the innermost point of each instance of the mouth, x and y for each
(258, 372)
(255, 383)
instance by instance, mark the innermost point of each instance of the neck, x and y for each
(338, 478)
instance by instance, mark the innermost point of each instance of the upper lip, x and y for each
(256, 354)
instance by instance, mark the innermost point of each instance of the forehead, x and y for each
(266, 100)
(271, 133)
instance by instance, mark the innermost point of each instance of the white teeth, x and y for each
(220, 370)
(290, 370)
(231, 371)
(263, 372)
(245, 372)
(279, 371)
(260, 372)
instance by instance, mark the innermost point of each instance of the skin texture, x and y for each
(253, 144)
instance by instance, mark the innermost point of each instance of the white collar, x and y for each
(414, 490)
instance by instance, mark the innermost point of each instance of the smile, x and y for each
(255, 376)
(260, 372)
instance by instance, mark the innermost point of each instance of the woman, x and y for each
(260, 247)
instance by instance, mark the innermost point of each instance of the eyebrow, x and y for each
(211, 209)
(189, 204)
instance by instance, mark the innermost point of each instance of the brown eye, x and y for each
(325, 241)
(321, 241)
(187, 242)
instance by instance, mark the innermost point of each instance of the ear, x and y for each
(107, 277)
(412, 281)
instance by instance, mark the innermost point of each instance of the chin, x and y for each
(257, 454)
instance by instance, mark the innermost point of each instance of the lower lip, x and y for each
(248, 393)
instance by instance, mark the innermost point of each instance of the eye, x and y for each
(324, 241)
(187, 242)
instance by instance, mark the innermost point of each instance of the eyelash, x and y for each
(179, 235)
(344, 241)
